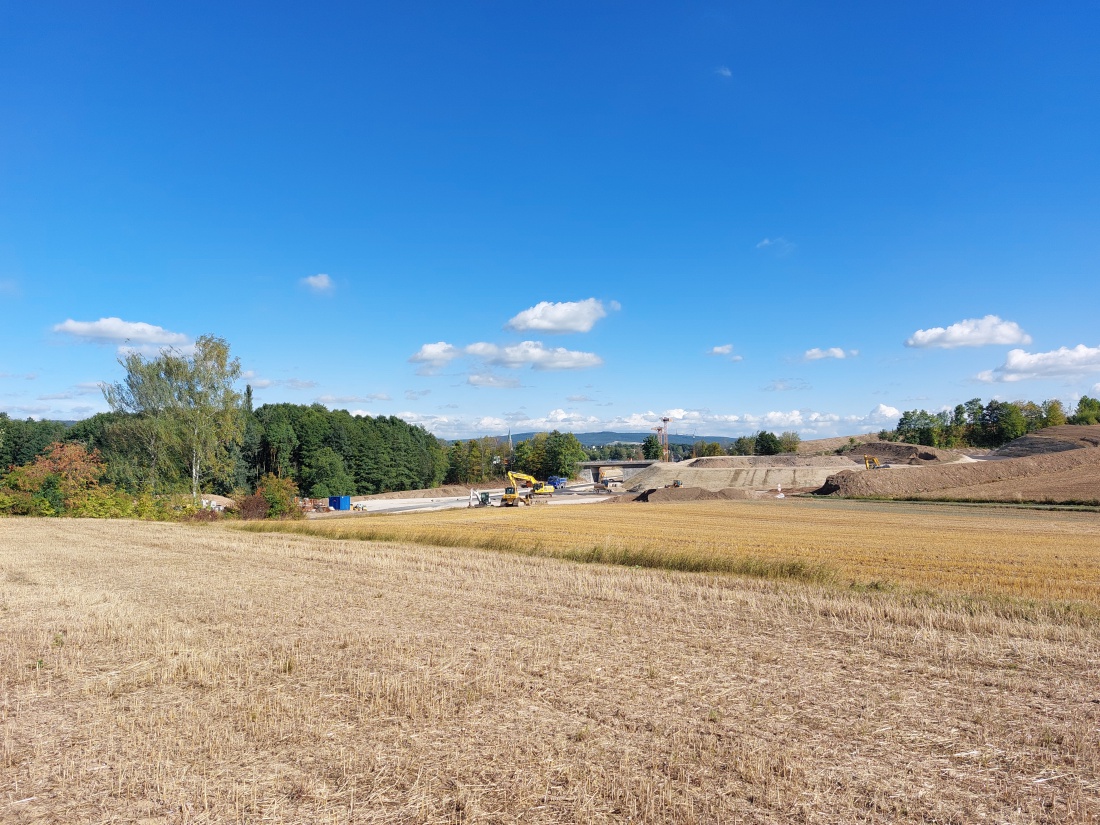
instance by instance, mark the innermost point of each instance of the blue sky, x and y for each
(583, 216)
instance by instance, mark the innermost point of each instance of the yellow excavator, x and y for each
(513, 497)
(871, 463)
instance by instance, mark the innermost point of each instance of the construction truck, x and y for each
(557, 482)
(611, 479)
(513, 496)
(478, 499)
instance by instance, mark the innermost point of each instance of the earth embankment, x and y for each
(1060, 465)
(743, 472)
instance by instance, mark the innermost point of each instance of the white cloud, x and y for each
(535, 355)
(435, 356)
(298, 384)
(726, 351)
(262, 383)
(578, 399)
(780, 246)
(808, 423)
(723, 71)
(972, 332)
(568, 316)
(883, 414)
(136, 336)
(817, 354)
(319, 282)
(416, 395)
(490, 380)
(1062, 362)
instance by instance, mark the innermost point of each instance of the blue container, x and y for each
(339, 502)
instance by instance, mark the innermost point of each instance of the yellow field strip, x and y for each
(1052, 556)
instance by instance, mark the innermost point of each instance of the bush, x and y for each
(281, 495)
(253, 507)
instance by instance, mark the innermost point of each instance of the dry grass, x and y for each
(985, 552)
(170, 673)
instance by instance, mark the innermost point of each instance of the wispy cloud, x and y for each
(786, 385)
(298, 384)
(535, 355)
(1063, 362)
(567, 316)
(319, 282)
(972, 332)
(127, 335)
(725, 351)
(489, 380)
(578, 399)
(817, 354)
(9, 287)
(416, 395)
(723, 71)
(779, 245)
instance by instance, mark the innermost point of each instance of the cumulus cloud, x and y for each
(490, 380)
(535, 355)
(127, 335)
(972, 332)
(567, 316)
(817, 354)
(435, 356)
(1062, 362)
(319, 282)
(808, 423)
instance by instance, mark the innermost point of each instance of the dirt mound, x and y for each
(755, 461)
(1052, 440)
(894, 452)
(831, 446)
(687, 494)
(1069, 475)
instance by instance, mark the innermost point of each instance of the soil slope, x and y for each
(743, 472)
(1060, 465)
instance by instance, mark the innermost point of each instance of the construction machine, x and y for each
(871, 463)
(513, 497)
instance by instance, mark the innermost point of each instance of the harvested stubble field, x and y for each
(977, 551)
(166, 673)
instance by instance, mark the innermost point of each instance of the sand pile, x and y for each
(831, 446)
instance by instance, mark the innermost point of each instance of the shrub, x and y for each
(252, 507)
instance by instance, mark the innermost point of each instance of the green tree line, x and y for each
(990, 425)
